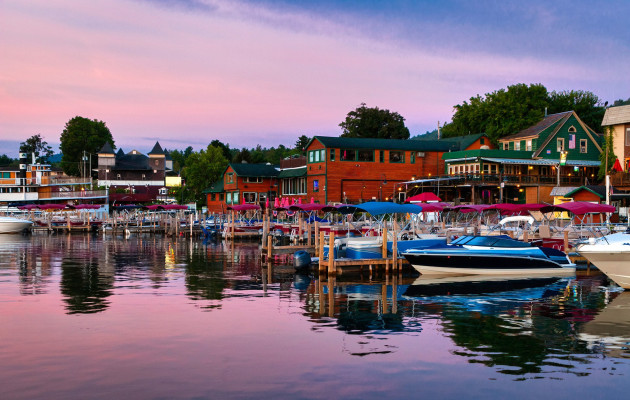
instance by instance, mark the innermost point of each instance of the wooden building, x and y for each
(133, 177)
(245, 183)
(560, 150)
(354, 170)
(617, 119)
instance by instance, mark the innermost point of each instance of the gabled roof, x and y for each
(537, 129)
(292, 173)
(466, 140)
(120, 153)
(597, 190)
(255, 170)
(589, 132)
(216, 187)
(106, 149)
(616, 115)
(157, 150)
(386, 144)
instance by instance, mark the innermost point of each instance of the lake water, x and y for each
(102, 318)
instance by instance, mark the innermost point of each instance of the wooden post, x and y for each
(317, 254)
(384, 240)
(566, 242)
(395, 250)
(309, 240)
(331, 254)
(525, 236)
(321, 251)
(191, 225)
(300, 227)
(269, 248)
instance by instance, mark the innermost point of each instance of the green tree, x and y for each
(242, 155)
(607, 157)
(202, 169)
(587, 106)
(179, 157)
(621, 102)
(225, 149)
(6, 160)
(372, 122)
(500, 113)
(35, 144)
(301, 143)
(82, 136)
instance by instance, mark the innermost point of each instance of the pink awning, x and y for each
(423, 197)
(244, 207)
(580, 208)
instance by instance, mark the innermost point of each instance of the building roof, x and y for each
(292, 173)
(538, 128)
(216, 187)
(387, 144)
(561, 190)
(120, 153)
(255, 170)
(597, 190)
(106, 149)
(157, 150)
(616, 115)
(495, 153)
(132, 161)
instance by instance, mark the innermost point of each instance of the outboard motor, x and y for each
(301, 259)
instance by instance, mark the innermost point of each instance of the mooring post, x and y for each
(320, 250)
(331, 254)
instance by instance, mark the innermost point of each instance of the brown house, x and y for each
(351, 170)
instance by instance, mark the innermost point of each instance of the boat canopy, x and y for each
(580, 208)
(468, 208)
(423, 197)
(384, 207)
(308, 207)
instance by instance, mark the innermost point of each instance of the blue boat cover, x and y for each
(384, 207)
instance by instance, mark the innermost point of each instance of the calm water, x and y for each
(101, 318)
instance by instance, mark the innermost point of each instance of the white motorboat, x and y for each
(611, 255)
(14, 225)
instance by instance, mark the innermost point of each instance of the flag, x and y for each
(572, 141)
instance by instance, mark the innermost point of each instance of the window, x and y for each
(560, 144)
(381, 156)
(572, 129)
(366, 155)
(412, 157)
(311, 156)
(235, 199)
(230, 177)
(6, 175)
(315, 185)
(163, 191)
(529, 145)
(482, 141)
(506, 146)
(517, 145)
(213, 197)
(221, 196)
(144, 177)
(396, 156)
(627, 136)
(332, 154)
(316, 156)
(249, 197)
(348, 155)
(253, 179)
(228, 197)
(583, 145)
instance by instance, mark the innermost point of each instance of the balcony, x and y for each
(44, 181)
(78, 194)
(496, 179)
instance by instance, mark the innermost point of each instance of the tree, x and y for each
(607, 157)
(242, 155)
(373, 122)
(202, 169)
(35, 144)
(6, 160)
(301, 143)
(82, 136)
(180, 157)
(500, 113)
(587, 106)
(225, 149)
(621, 102)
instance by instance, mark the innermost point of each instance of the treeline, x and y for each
(508, 111)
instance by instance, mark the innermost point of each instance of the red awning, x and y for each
(423, 197)
(580, 208)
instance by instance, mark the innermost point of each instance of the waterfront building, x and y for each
(618, 120)
(354, 170)
(37, 183)
(560, 150)
(134, 177)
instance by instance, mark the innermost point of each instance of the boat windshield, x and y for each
(489, 241)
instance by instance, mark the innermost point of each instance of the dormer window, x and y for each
(572, 129)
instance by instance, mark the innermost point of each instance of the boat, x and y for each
(488, 255)
(611, 255)
(14, 225)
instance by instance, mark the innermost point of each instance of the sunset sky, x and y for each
(265, 72)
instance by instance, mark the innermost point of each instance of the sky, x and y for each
(266, 72)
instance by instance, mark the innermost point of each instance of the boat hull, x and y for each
(466, 263)
(615, 264)
(14, 225)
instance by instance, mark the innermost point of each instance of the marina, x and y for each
(96, 316)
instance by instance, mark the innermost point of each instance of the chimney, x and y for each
(439, 135)
(545, 111)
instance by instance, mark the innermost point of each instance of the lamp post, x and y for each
(563, 161)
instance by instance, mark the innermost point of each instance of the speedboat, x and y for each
(13, 225)
(488, 255)
(611, 255)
